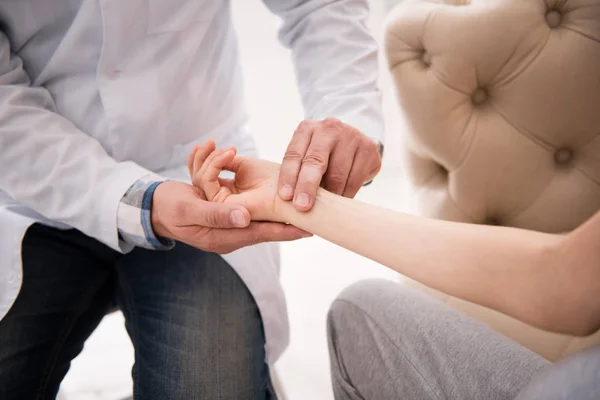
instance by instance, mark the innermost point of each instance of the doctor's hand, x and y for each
(330, 154)
(182, 212)
(254, 186)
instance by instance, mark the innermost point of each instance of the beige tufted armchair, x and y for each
(502, 100)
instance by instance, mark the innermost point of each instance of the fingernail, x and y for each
(286, 190)
(302, 200)
(238, 219)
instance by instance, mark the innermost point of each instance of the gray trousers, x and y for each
(387, 341)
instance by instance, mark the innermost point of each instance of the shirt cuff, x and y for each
(134, 221)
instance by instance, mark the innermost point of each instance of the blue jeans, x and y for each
(195, 327)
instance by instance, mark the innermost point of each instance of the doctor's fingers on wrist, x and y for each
(292, 160)
(314, 166)
(227, 240)
(215, 215)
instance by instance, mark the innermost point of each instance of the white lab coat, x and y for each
(95, 94)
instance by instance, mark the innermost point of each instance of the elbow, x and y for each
(572, 314)
(583, 328)
(574, 323)
(586, 327)
(568, 303)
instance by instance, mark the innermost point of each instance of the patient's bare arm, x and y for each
(551, 281)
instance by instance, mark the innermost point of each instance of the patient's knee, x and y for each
(388, 305)
(374, 295)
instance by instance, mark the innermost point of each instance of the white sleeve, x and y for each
(48, 164)
(335, 58)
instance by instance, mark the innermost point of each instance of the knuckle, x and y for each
(336, 178)
(356, 144)
(369, 144)
(315, 159)
(213, 218)
(356, 134)
(367, 147)
(332, 123)
(303, 127)
(292, 155)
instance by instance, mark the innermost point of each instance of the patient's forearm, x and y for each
(507, 269)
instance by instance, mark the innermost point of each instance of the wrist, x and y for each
(157, 227)
(286, 212)
(279, 211)
(283, 210)
(155, 216)
(134, 215)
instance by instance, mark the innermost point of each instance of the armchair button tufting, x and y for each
(479, 96)
(553, 18)
(563, 156)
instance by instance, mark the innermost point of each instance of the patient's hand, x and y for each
(254, 186)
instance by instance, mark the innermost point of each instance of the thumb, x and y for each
(219, 215)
